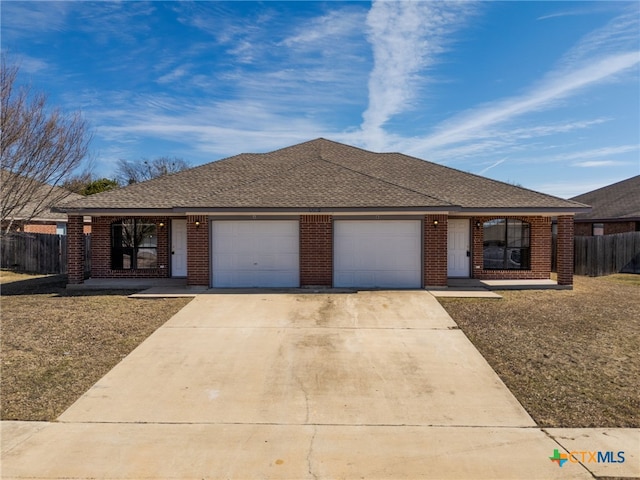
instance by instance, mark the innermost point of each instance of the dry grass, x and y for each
(56, 345)
(572, 358)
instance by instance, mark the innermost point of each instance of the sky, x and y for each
(545, 95)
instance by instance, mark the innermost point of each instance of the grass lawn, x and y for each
(572, 358)
(56, 345)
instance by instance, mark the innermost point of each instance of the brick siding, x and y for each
(540, 250)
(316, 250)
(435, 251)
(198, 257)
(75, 249)
(565, 250)
(48, 228)
(586, 228)
(101, 249)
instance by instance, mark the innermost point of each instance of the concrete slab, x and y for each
(13, 434)
(377, 385)
(375, 358)
(170, 292)
(310, 375)
(619, 449)
(542, 284)
(394, 310)
(470, 293)
(127, 451)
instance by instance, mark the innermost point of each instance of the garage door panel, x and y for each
(383, 253)
(255, 253)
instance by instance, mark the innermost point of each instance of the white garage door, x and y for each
(377, 253)
(255, 253)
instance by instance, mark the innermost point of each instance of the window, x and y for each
(597, 229)
(506, 244)
(134, 245)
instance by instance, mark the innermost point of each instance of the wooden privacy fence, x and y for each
(38, 252)
(607, 254)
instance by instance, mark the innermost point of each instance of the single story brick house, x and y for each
(322, 213)
(28, 203)
(614, 209)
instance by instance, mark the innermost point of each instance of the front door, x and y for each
(179, 248)
(458, 251)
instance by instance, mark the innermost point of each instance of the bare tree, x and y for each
(129, 172)
(40, 148)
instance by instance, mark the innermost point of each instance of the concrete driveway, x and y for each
(367, 385)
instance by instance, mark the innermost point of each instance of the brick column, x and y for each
(75, 249)
(435, 251)
(198, 256)
(316, 250)
(565, 250)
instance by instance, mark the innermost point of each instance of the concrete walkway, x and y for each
(376, 385)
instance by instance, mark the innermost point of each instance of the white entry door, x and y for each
(377, 253)
(179, 248)
(255, 253)
(458, 251)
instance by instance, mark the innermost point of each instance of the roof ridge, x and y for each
(610, 187)
(482, 177)
(276, 173)
(386, 181)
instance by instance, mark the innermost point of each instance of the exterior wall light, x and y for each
(197, 224)
(435, 223)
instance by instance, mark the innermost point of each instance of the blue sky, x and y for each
(542, 94)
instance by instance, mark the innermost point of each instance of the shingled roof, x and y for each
(619, 201)
(322, 174)
(28, 199)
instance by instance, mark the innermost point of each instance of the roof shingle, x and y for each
(321, 174)
(617, 201)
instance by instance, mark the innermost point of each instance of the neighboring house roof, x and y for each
(619, 201)
(40, 198)
(321, 174)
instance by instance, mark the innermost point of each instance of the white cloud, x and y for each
(32, 65)
(599, 163)
(572, 188)
(601, 56)
(618, 35)
(21, 19)
(174, 75)
(495, 164)
(474, 124)
(596, 152)
(407, 38)
(325, 31)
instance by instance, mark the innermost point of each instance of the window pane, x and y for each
(147, 258)
(506, 244)
(494, 243)
(121, 258)
(598, 229)
(133, 245)
(494, 232)
(146, 235)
